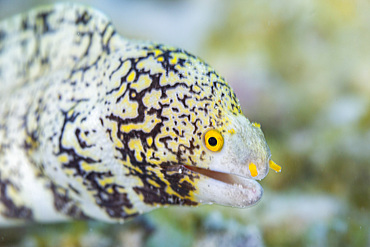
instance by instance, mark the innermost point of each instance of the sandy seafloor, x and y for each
(302, 70)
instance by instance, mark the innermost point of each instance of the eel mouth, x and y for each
(228, 189)
(229, 178)
(224, 188)
(220, 176)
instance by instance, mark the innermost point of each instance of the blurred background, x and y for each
(302, 70)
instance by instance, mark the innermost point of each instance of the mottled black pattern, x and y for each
(11, 209)
(64, 204)
(110, 123)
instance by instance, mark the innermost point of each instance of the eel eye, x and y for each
(214, 140)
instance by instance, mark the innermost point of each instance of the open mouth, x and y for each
(227, 189)
(231, 178)
(220, 176)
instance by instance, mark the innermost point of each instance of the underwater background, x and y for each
(302, 70)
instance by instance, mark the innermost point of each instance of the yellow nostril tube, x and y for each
(253, 170)
(274, 166)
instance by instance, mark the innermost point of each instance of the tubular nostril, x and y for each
(253, 169)
(274, 166)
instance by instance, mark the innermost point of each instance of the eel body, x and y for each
(94, 125)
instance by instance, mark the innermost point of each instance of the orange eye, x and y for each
(214, 140)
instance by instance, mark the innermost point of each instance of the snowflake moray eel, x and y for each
(96, 126)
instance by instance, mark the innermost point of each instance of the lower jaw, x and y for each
(225, 189)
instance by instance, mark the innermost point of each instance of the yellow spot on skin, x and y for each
(135, 144)
(130, 210)
(87, 167)
(174, 59)
(274, 166)
(131, 76)
(105, 181)
(186, 179)
(121, 190)
(70, 112)
(213, 122)
(69, 172)
(143, 82)
(196, 89)
(160, 59)
(92, 167)
(152, 182)
(232, 131)
(138, 156)
(147, 126)
(257, 125)
(120, 91)
(157, 52)
(125, 67)
(63, 158)
(253, 169)
(128, 164)
(150, 141)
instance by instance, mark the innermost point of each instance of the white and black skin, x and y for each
(93, 125)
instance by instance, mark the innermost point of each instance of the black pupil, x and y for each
(212, 141)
